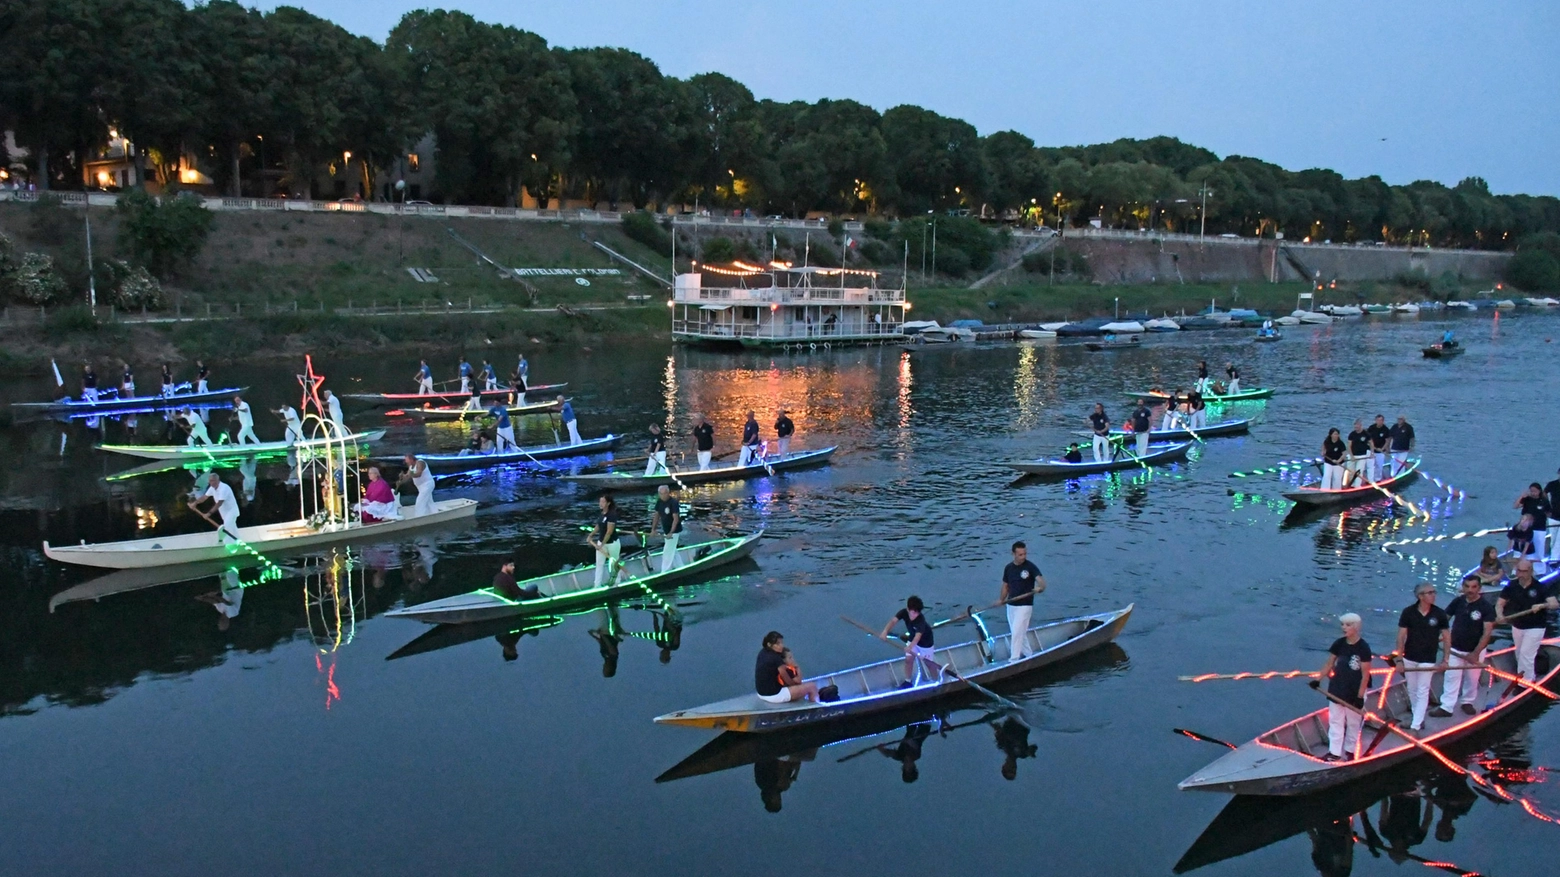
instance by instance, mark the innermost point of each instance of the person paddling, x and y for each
(920, 646)
(570, 423)
(1525, 594)
(655, 454)
(196, 428)
(1355, 468)
(1347, 671)
(224, 503)
(767, 674)
(667, 521)
(1142, 417)
(463, 369)
(1380, 439)
(750, 442)
(604, 539)
(1021, 581)
(1202, 376)
(1233, 373)
(504, 429)
(1402, 435)
(424, 378)
(246, 422)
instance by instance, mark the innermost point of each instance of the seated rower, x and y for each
(379, 500)
(767, 678)
(504, 584)
(1074, 453)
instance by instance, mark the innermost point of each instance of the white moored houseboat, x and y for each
(784, 306)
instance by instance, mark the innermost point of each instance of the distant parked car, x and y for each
(1228, 235)
(418, 203)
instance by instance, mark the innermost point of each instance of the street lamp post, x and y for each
(1203, 214)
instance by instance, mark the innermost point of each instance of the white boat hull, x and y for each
(287, 536)
(228, 450)
(1036, 333)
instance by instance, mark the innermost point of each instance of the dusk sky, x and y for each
(1409, 90)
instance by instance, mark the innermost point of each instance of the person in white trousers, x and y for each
(1334, 453)
(1099, 424)
(333, 411)
(1473, 623)
(1021, 581)
(1526, 602)
(668, 522)
(566, 414)
(421, 478)
(1233, 374)
(1380, 439)
(246, 422)
(1347, 675)
(1533, 502)
(655, 455)
(703, 440)
(605, 540)
(1424, 631)
(224, 503)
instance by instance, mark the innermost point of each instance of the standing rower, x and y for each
(127, 383)
(464, 370)
(1202, 376)
(1380, 439)
(1172, 413)
(1334, 451)
(1233, 374)
(1358, 464)
(919, 647)
(489, 377)
(750, 442)
(201, 375)
(1099, 424)
(89, 387)
(246, 422)
(1142, 417)
(1535, 504)
(1402, 434)
(566, 414)
(516, 389)
(421, 478)
(524, 369)
(1423, 630)
(604, 539)
(167, 380)
(225, 503)
(1347, 672)
(1197, 409)
(655, 454)
(1021, 581)
(703, 440)
(196, 428)
(333, 411)
(293, 431)
(668, 522)
(504, 429)
(784, 428)
(1473, 623)
(1522, 594)
(424, 378)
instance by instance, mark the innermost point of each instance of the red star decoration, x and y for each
(311, 387)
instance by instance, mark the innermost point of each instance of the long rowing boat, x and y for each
(107, 403)
(628, 481)
(464, 413)
(1288, 760)
(876, 687)
(1242, 396)
(401, 398)
(1181, 434)
(1316, 496)
(1157, 454)
(286, 536)
(230, 450)
(471, 461)
(564, 590)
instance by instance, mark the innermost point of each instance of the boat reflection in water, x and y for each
(777, 757)
(665, 632)
(1393, 814)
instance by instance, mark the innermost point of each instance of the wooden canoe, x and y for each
(1212, 430)
(1288, 759)
(287, 536)
(229, 450)
(1157, 454)
(627, 481)
(562, 591)
(463, 413)
(470, 462)
(873, 688)
(1316, 496)
(1242, 396)
(403, 398)
(111, 403)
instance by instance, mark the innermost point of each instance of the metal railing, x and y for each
(789, 295)
(803, 332)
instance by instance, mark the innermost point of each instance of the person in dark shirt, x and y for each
(89, 387)
(1473, 623)
(1021, 581)
(1402, 434)
(784, 429)
(1536, 505)
(919, 649)
(1202, 376)
(703, 440)
(504, 585)
(655, 454)
(1142, 417)
(766, 674)
(1551, 496)
(1074, 453)
(202, 375)
(1526, 602)
(750, 442)
(1521, 537)
(1233, 373)
(1380, 439)
(1347, 672)
(908, 750)
(1198, 409)
(604, 538)
(1358, 463)
(668, 522)
(1099, 424)
(1423, 630)
(1334, 453)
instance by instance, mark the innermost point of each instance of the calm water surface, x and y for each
(138, 738)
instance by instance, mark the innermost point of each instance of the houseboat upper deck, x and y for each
(779, 305)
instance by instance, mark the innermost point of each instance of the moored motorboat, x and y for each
(1036, 334)
(1181, 434)
(383, 399)
(1378, 310)
(1312, 317)
(274, 539)
(1341, 310)
(1124, 459)
(876, 687)
(766, 466)
(464, 413)
(109, 401)
(571, 588)
(1110, 343)
(1443, 351)
(1316, 496)
(1122, 327)
(465, 462)
(1289, 760)
(1162, 324)
(1406, 308)
(231, 450)
(1505, 304)
(1461, 305)
(1286, 321)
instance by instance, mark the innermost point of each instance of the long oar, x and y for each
(1313, 674)
(1204, 737)
(972, 612)
(1006, 704)
(1278, 469)
(1519, 681)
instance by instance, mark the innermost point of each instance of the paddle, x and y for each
(1278, 469)
(1006, 704)
(1518, 680)
(972, 612)
(1312, 674)
(1542, 607)
(1204, 737)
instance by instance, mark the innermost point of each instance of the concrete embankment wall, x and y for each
(1151, 260)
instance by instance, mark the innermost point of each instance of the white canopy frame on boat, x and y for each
(332, 465)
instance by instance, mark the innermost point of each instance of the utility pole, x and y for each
(1203, 230)
(91, 280)
(934, 246)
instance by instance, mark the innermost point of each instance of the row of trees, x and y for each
(227, 83)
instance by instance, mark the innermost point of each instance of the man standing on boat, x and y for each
(920, 646)
(246, 422)
(504, 429)
(1380, 439)
(784, 429)
(1021, 581)
(750, 442)
(1202, 376)
(424, 378)
(224, 502)
(489, 377)
(421, 478)
(1197, 409)
(333, 411)
(1423, 631)
(1347, 673)
(1099, 424)
(1524, 594)
(668, 522)
(292, 427)
(523, 369)
(1402, 434)
(1233, 373)
(1473, 623)
(1142, 419)
(604, 539)
(464, 369)
(766, 675)
(196, 428)
(1358, 464)
(1552, 496)
(127, 384)
(202, 376)
(655, 454)
(566, 414)
(89, 387)
(703, 440)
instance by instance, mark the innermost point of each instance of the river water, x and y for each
(136, 737)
